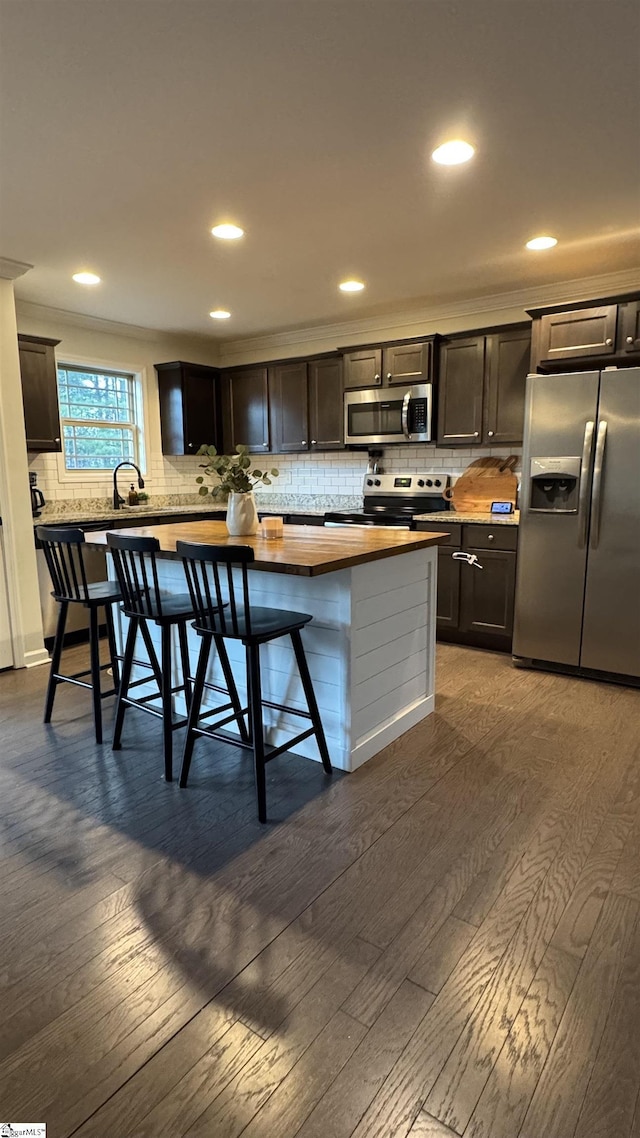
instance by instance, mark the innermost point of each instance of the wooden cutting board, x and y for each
(485, 480)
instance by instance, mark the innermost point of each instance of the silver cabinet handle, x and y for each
(597, 483)
(314, 443)
(191, 446)
(389, 375)
(587, 447)
(405, 414)
(470, 559)
(376, 377)
(476, 434)
(490, 537)
(608, 341)
(629, 339)
(56, 440)
(490, 434)
(303, 443)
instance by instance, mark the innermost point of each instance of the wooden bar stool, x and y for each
(64, 553)
(223, 611)
(135, 564)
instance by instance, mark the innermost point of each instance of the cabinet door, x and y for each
(460, 392)
(199, 409)
(508, 356)
(326, 417)
(363, 368)
(487, 594)
(288, 408)
(40, 393)
(574, 335)
(447, 611)
(407, 363)
(629, 326)
(249, 409)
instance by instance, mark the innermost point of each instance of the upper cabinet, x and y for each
(188, 406)
(289, 407)
(481, 388)
(593, 334)
(326, 421)
(40, 393)
(406, 362)
(246, 397)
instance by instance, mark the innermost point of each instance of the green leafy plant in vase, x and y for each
(235, 481)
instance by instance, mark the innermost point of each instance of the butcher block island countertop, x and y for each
(307, 551)
(370, 645)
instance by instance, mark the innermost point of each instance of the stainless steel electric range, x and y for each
(394, 499)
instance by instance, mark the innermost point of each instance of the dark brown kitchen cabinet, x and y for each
(629, 326)
(363, 368)
(408, 363)
(487, 595)
(189, 415)
(583, 332)
(288, 407)
(247, 419)
(326, 427)
(461, 391)
(482, 386)
(40, 393)
(475, 605)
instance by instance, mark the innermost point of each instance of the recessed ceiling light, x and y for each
(351, 286)
(220, 314)
(86, 278)
(453, 153)
(227, 232)
(542, 242)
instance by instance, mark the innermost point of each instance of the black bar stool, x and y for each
(223, 610)
(135, 564)
(63, 551)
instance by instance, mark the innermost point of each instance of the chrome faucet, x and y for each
(117, 499)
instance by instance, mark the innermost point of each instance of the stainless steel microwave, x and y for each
(388, 415)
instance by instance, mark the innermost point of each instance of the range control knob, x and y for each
(429, 482)
(437, 482)
(421, 482)
(377, 481)
(369, 482)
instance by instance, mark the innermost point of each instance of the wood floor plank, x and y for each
(437, 962)
(513, 1078)
(425, 1126)
(557, 1101)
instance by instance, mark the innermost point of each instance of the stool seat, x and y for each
(167, 609)
(97, 593)
(264, 623)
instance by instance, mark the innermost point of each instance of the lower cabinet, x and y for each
(475, 604)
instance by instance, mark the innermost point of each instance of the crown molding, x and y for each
(110, 327)
(11, 270)
(397, 324)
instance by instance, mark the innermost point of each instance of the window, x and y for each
(99, 416)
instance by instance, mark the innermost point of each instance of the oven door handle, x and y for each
(405, 415)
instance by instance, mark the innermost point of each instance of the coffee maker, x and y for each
(37, 497)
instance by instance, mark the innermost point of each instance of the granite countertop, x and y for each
(62, 513)
(471, 519)
(305, 551)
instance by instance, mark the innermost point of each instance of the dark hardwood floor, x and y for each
(445, 943)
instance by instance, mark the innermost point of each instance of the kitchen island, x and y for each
(371, 645)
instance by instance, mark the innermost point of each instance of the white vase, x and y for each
(242, 516)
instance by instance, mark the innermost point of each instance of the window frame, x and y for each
(139, 377)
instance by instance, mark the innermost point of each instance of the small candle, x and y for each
(272, 528)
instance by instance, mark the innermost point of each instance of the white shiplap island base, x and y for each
(370, 646)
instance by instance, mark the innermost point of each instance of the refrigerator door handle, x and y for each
(597, 483)
(583, 513)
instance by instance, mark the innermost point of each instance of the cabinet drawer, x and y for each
(490, 537)
(455, 532)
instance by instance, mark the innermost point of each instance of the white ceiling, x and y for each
(130, 127)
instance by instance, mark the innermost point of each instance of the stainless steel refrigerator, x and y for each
(578, 576)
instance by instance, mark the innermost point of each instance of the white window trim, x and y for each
(140, 386)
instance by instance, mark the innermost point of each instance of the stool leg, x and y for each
(113, 651)
(231, 687)
(257, 730)
(55, 661)
(94, 653)
(194, 708)
(167, 713)
(307, 685)
(125, 678)
(184, 659)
